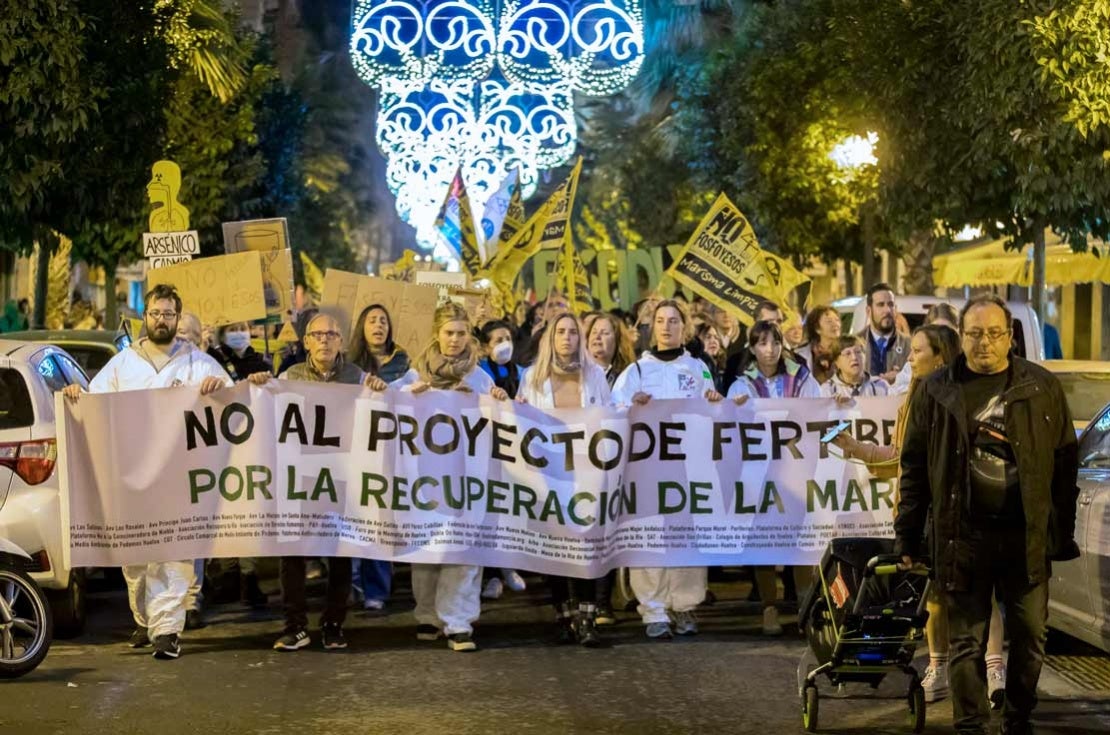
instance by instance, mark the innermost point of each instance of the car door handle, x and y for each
(1085, 500)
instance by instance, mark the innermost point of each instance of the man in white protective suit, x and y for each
(157, 591)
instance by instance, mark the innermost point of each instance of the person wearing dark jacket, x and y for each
(235, 353)
(373, 351)
(990, 457)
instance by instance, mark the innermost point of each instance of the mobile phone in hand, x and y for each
(835, 431)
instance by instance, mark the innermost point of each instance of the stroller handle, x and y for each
(885, 564)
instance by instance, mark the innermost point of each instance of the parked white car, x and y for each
(1079, 593)
(30, 502)
(1028, 338)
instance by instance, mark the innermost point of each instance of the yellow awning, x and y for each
(991, 264)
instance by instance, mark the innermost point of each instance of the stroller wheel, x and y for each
(916, 699)
(809, 708)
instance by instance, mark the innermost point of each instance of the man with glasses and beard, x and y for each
(885, 348)
(157, 591)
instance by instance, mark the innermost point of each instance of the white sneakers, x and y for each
(493, 589)
(496, 586)
(771, 624)
(996, 687)
(513, 580)
(935, 683)
(685, 623)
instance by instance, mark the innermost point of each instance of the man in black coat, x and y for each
(990, 456)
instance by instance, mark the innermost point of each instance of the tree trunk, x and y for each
(918, 259)
(111, 308)
(868, 233)
(42, 280)
(1039, 270)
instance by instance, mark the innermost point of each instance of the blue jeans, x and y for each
(375, 578)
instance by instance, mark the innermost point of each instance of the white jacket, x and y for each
(683, 377)
(478, 380)
(870, 387)
(902, 382)
(132, 370)
(595, 389)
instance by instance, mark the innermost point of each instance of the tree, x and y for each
(989, 113)
(761, 121)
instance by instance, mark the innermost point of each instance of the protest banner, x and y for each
(310, 469)
(455, 222)
(411, 307)
(270, 239)
(222, 289)
(723, 262)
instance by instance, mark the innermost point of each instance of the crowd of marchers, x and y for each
(983, 452)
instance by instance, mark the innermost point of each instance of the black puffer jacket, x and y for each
(936, 472)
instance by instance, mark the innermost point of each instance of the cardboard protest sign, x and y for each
(220, 290)
(723, 262)
(269, 238)
(410, 307)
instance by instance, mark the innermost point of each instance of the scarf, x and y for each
(565, 369)
(445, 373)
(668, 355)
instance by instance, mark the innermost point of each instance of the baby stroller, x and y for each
(863, 621)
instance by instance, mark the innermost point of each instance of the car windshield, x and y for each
(1086, 393)
(16, 410)
(90, 357)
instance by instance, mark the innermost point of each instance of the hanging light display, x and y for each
(485, 85)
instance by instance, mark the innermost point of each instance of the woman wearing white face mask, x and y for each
(235, 353)
(496, 338)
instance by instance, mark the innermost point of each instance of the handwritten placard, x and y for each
(220, 290)
(269, 238)
(411, 307)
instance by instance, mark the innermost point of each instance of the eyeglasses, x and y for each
(992, 335)
(321, 336)
(169, 316)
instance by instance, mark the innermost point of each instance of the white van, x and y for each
(1028, 337)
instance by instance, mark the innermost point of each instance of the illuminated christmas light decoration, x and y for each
(490, 129)
(595, 46)
(444, 104)
(421, 40)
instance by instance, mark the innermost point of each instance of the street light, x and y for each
(855, 152)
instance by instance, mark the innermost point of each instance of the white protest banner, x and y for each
(309, 469)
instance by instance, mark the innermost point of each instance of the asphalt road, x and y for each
(728, 679)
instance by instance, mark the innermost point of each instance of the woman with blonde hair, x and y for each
(564, 376)
(667, 370)
(448, 596)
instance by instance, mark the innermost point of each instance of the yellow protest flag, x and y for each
(573, 279)
(790, 282)
(723, 262)
(456, 223)
(548, 228)
(313, 278)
